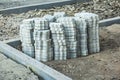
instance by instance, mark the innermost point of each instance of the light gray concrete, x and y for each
(39, 68)
(27, 2)
(108, 22)
(10, 70)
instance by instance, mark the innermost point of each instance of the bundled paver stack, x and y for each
(70, 35)
(82, 36)
(58, 36)
(26, 35)
(43, 50)
(59, 15)
(92, 30)
(49, 18)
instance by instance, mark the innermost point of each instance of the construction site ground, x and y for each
(104, 65)
(100, 66)
(10, 70)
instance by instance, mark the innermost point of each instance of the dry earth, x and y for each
(100, 66)
(104, 65)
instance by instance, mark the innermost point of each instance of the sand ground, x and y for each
(10, 70)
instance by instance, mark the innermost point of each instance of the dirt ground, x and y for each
(10, 70)
(100, 66)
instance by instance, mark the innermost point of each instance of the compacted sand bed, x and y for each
(100, 66)
(10, 70)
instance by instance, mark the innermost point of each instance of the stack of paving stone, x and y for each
(26, 35)
(50, 18)
(92, 30)
(43, 50)
(59, 15)
(58, 36)
(82, 36)
(70, 35)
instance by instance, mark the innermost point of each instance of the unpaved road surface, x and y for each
(10, 70)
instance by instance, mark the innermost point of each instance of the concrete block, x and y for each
(108, 22)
